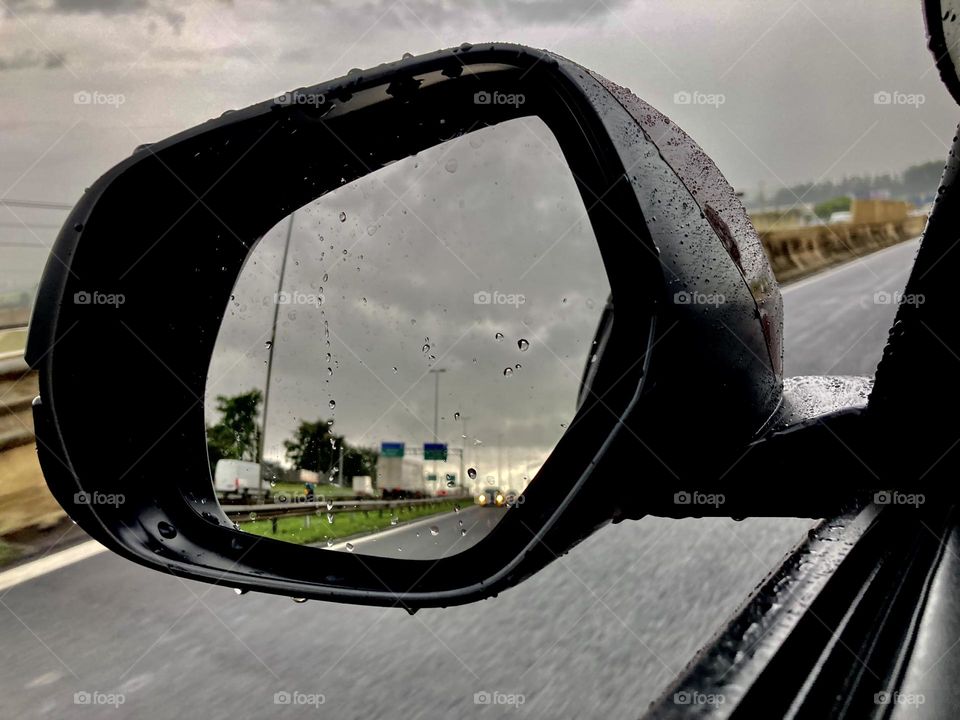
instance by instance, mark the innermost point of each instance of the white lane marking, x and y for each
(853, 262)
(44, 565)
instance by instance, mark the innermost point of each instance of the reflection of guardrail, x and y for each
(275, 511)
(320, 507)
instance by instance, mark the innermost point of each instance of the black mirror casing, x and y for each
(169, 229)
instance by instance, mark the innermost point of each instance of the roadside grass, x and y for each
(309, 529)
(8, 553)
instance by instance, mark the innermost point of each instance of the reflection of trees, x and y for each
(236, 436)
(315, 448)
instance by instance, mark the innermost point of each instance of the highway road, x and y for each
(430, 538)
(596, 634)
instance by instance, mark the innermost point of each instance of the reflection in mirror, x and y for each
(413, 344)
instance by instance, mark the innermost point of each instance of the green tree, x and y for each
(237, 435)
(360, 461)
(315, 448)
(311, 447)
(826, 208)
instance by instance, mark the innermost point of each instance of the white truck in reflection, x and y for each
(238, 479)
(363, 486)
(401, 477)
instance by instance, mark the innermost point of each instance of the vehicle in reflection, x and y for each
(491, 497)
(238, 480)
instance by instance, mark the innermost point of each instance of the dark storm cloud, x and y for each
(437, 13)
(148, 8)
(31, 59)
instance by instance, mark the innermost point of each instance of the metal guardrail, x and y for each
(319, 507)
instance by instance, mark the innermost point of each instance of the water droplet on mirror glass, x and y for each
(507, 372)
(166, 530)
(463, 532)
(299, 601)
(330, 518)
(268, 344)
(450, 166)
(394, 520)
(523, 345)
(349, 547)
(498, 337)
(434, 530)
(333, 404)
(343, 216)
(238, 591)
(456, 416)
(472, 473)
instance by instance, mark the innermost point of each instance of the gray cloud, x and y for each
(445, 12)
(167, 11)
(31, 59)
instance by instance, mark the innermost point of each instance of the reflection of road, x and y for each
(595, 634)
(417, 541)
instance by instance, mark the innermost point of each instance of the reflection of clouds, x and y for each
(398, 299)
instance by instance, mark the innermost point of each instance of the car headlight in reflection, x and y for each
(482, 499)
(499, 499)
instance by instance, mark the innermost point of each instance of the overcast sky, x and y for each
(798, 77)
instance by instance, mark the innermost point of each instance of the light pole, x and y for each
(436, 412)
(463, 454)
(436, 402)
(273, 343)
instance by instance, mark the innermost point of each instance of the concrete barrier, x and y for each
(795, 252)
(25, 501)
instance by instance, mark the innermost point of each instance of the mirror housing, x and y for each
(689, 349)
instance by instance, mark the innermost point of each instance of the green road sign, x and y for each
(392, 449)
(435, 451)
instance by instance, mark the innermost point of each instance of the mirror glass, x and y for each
(400, 356)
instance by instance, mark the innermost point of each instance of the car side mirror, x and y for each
(680, 369)
(943, 37)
